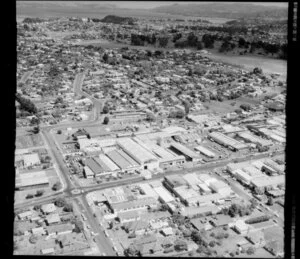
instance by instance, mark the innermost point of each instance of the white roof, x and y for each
(136, 151)
(31, 159)
(110, 164)
(163, 194)
(50, 207)
(205, 151)
(191, 178)
(30, 179)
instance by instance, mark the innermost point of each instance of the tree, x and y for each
(33, 239)
(187, 106)
(131, 251)
(106, 120)
(257, 71)
(105, 57)
(245, 107)
(270, 201)
(37, 207)
(253, 203)
(250, 250)
(180, 245)
(59, 132)
(60, 202)
(68, 207)
(150, 117)
(105, 109)
(29, 196)
(56, 186)
(212, 243)
(78, 226)
(39, 193)
(36, 130)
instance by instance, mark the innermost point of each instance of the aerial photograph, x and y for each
(150, 129)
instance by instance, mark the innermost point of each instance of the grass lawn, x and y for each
(27, 141)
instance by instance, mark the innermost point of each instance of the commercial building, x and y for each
(227, 141)
(122, 160)
(268, 181)
(241, 227)
(148, 190)
(32, 180)
(182, 150)
(138, 153)
(163, 194)
(242, 176)
(61, 229)
(128, 216)
(199, 211)
(192, 180)
(251, 138)
(25, 215)
(107, 164)
(205, 151)
(140, 204)
(48, 208)
(222, 188)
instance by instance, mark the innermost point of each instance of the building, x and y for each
(187, 153)
(227, 141)
(268, 182)
(163, 194)
(147, 190)
(31, 160)
(48, 208)
(138, 153)
(38, 231)
(52, 219)
(128, 216)
(251, 138)
(199, 211)
(205, 151)
(47, 251)
(140, 204)
(241, 227)
(107, 165)
(32, 180)
(25, 215)
(222, 188)
(122, 160)
(61, 229)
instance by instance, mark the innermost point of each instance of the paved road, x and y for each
(103, 242)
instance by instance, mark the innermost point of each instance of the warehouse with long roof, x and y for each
(138, 153)
(227, 141)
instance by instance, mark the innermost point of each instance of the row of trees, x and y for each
(26, 104)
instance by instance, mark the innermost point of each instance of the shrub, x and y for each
(29, 196)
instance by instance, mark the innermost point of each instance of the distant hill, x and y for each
(117, 19)
(225, 10)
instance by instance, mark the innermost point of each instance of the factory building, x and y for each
(182, 150)
(122, 160)
(221, 188)
(205, 151)
(269, 163)
(106, 163)
(138, 153)
(227, 141)
(268, 182)
(251, 138)
(140, 204)
(164, 195)
(166, 158)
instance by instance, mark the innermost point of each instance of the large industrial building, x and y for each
(205, 151)
(227, 141)
(251, 138)
(138, 153)
(182, 150)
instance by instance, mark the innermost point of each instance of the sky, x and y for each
(147, 5)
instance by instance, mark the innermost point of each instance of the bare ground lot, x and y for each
(29, 140)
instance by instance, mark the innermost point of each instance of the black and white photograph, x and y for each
(151, 128)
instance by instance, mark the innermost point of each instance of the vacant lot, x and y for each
(27, 141)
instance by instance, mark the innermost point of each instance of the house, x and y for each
(61, 229)
(48, 208)
(47, 251)
(167, 231)
(52, 219)
(241, 227)
(31, 160)
(38, 231)
(25, 215)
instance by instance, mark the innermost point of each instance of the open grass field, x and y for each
(27, 141)
(268, 65)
